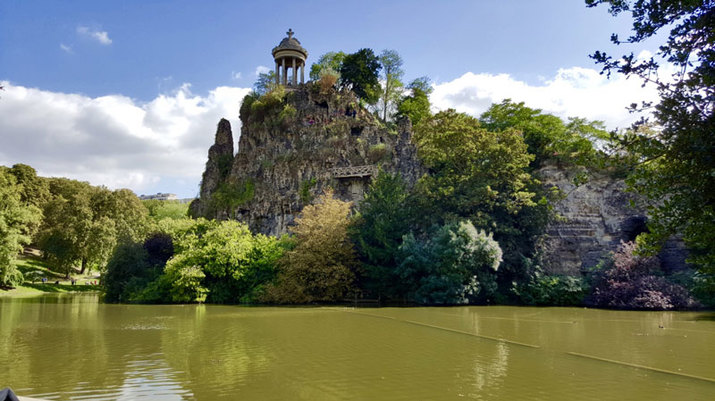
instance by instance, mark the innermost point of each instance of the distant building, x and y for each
(159, 196)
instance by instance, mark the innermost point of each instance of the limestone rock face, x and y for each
(593, 219)
(217, 167)
(292, 147)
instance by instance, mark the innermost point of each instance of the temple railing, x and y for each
(354, 171)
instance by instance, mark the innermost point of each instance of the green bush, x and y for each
(305, 186)
(229, 196)
(377, 153)
(224, 264)
(553, 290)
(457, 265)
(269, 104)
(247, 105)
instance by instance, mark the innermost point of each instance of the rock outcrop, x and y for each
(295, 144)
(592, 220)
(217, 167)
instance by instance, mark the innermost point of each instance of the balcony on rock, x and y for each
(354, 171)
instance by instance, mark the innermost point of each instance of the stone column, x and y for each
(302, 72)
(285, 71)
(278, 73)
(295, 74)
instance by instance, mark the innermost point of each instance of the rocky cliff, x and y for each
(592, 220)
(294, 144)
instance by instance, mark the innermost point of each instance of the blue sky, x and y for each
(128, 93)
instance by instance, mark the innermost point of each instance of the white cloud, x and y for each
(66, 48)
(235, 75)
(262, 69)
(100, 36)
(161, 145)
(114, 140)
(572, 92)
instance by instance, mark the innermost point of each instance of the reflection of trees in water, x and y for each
(484, 372)
(214, 353)
(62, 346)
(53, 345)
(492, 372)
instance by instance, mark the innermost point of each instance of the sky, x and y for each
(127, 94)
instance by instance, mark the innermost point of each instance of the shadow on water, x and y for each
(708, 316)
(62, 287)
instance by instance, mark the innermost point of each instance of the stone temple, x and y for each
(289, 55)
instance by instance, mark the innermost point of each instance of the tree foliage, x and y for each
(16, 221)
(321, 265)
(677, 168)
(482, 176)
(328, 64)
(377, 230)
(630, 281)
(473, 172)
(163, 209)
(82, 224)
(265, 83)
(193, 261)
(35, 190)
(548, 137)
(392, 72)
(359, 71)
(416, 105)
(456, 265)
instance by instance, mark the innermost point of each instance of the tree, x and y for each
(630, 281)
(547, 137)
(126, 270)
(223, 265)
(359, 71)
(482, 176)
(473, 172)
(35, 190)
(677, 169)
(391, 67)
(329, 63)
(455, 266)
(84, 223)
(163, 209)
(377, 230)
(321, 266)
(416, 105)
(265, 83)
(16, 220)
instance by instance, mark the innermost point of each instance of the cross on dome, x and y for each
(289, 33)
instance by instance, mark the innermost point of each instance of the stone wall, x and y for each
(592, 220)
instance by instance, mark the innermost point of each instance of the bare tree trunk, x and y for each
(84, 265)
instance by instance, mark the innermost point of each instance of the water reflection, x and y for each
(62, 347)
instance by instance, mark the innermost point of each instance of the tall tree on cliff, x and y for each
(392, 73)
(328, 63)
(677, 168)
(360, 72)
(416, 105)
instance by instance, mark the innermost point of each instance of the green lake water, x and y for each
(73, 347)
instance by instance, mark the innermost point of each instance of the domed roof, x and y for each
(290, 43)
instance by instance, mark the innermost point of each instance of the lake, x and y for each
(74, 347)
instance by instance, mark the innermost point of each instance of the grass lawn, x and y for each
(34, 267)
